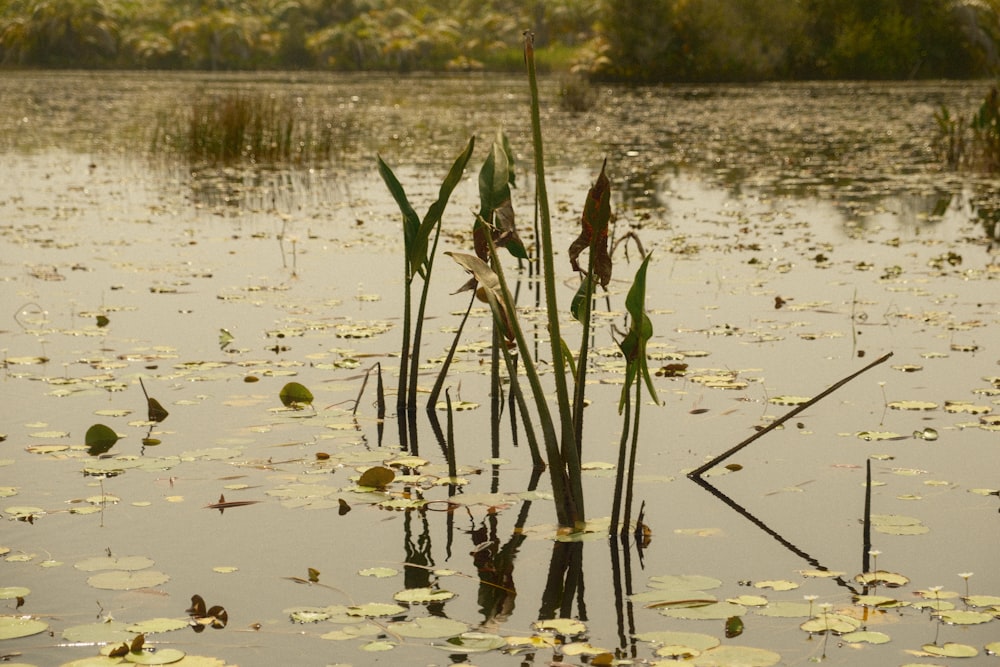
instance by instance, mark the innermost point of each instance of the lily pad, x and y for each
(15, 627)
(736, 656)
(473, 642)
(163, 656)
(117, 580)
(422, 595)
(866, 637)
(294, 394)
(951, 650)
(13, 592)
(100, 439)
(432, 627)
(129, 563)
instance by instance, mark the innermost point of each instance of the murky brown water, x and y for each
(825, 199)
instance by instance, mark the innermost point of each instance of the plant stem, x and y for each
(569, 456)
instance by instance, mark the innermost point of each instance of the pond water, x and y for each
(797, 231)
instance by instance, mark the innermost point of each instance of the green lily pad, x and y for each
(163, 656)
(294, 394)
(473, 642)
(684, 582)
(13, 592)
(377, 477)
(786, 610)
(375, 609)
(155, 625)
(422, 595)
(129, 563)
(98, 633)
(432, 627)
(695, 641)
(99, 439)
(118, 580)
(718, 611)
(866, 637)
(951, 650)
(562, 626)
(837, 624)
(15, 627)
(964, 617)
(736, 656)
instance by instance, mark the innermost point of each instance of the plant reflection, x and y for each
(739, 509)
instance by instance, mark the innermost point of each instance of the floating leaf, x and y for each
(828, 622)
(118, 580)
(562, 626)
(913, 405)
(432, 627)
(716, 611)
(162, 656)
(422, 595)
(964, 617)
(473, 642)
(13, 592)
(156, 625)
(15, 627)
(684, 582)
(377, 477)
(882, 578)
(98, 563)
(866, 637)
(736, 656)
(375, 609)
(295, 395)
(734, 627)
(100, 439)
(951, 650)
(111, 632)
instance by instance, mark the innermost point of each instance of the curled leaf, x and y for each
(594, 229)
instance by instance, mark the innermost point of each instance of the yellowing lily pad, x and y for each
(913, 405)
(374, 609)
(562, 626)
(422, 595)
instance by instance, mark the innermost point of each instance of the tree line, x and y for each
(633, 40)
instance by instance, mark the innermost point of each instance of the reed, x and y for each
(244, 127)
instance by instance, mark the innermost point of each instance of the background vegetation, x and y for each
(637, 40)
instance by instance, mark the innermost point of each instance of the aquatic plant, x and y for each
(419, 250)
(561, 427)
(245, 127)
(973, 143)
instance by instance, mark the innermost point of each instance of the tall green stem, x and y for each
(570, 457)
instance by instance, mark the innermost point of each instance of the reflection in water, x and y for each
(739, 509)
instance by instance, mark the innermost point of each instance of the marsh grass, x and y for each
(974, 143)
(246, 127)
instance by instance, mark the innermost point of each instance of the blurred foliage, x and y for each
(748, 40)
(635, 40)
(974, 143)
